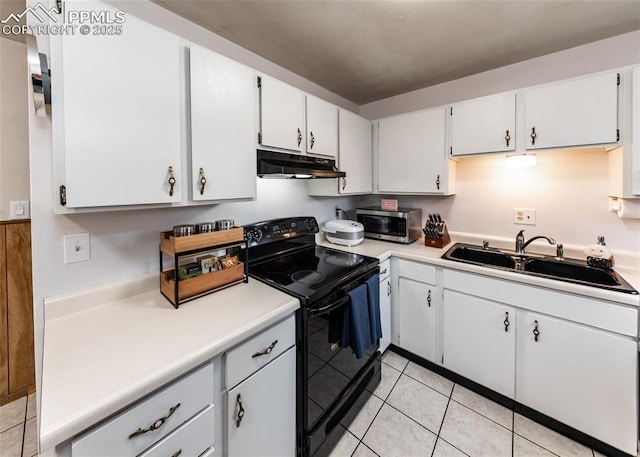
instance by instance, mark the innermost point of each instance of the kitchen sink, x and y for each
(568, 270)
(488, 257)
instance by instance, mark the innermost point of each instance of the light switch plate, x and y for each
(77, 248)
(19, 210)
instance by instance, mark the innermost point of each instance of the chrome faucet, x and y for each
(521, 244)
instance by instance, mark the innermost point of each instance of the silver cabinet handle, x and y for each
(438, 182)
(536, 332)
(177, 453)
(313, 140)
(344, 183)
(203, 181)
(171, 181)
(429, 298)
(156, 425)
(534, 135)
(507, 138)
(265, 351)
(506, 321)
(240, 410)
(299, 137)
(383, 271)
(388, 288)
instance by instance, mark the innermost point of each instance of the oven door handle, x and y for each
(330, 307)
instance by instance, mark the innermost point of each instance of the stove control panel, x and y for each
(279, 229)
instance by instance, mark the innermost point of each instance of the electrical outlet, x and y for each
(523, 216)
(77, 248)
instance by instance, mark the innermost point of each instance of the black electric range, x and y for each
(332, 383)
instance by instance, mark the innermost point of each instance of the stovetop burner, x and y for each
(307, 277)
(344, 260)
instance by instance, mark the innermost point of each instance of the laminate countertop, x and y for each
(106, 348)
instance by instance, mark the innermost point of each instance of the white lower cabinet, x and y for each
(261, 411)
(579, 375)
(146, 423)
(385, 304)
(480, 340)
(417, 305)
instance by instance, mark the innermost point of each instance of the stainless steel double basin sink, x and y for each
(565, 269)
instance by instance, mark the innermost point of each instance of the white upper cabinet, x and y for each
(411, 153)
(482, 125)
(355, 157)
(577, 112)
(223, 112)
(117, 131)
(282, 110)
(322, 127)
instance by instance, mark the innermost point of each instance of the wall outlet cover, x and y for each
(523, 216)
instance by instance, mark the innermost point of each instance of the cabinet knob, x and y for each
(203, 181)
(299, 137)
(429, 298)
(506, 321)
(344, 183)
(536, 332)
(171, 181)
(239, 410)
(313, 140)
(507, 138)
(534, 135)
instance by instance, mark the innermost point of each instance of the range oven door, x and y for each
(336, 383)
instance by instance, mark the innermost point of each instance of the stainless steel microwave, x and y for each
(403, 225)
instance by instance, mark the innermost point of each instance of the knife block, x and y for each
(438, 241)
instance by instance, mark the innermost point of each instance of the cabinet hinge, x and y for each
(451, 111)
(451, 150)
(259, 138)
(259, 81)
(618, 79)
(617, 134)
(442, 358)
(63, 195)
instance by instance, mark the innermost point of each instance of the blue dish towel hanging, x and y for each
(356, 329)
(373, 291)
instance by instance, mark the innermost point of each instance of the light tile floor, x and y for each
(18, 428)
(415, 412)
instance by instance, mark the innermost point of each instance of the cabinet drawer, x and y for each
(192, 393)
(417, 271)
(192, 438)
(254, 353)
(385, 269)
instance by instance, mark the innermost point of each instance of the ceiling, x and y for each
(366, 50)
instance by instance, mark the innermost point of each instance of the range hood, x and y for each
(281, 165)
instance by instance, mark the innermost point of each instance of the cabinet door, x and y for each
(583, 377)
(268, 401)
(411, 152)
(578, 112)
(478, 343)
(117, 113)
(222, 127)
(482, 125)
(385, 313)
(322, 127)
(417, 311)
(281, 115)
(355, 157)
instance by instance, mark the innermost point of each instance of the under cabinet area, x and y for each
(577, 112)
(483, 125)
(223, 110)
(417, 308)
(411, 154)
(261, 397)
(107, 150)
(175, 407)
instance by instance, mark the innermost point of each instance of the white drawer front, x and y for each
(385, 269)
(193, 393)
(417, 271)
(244, 359)
(191, 439)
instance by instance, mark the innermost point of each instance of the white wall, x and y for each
(14, 134)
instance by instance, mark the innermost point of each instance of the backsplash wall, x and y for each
(568, 190)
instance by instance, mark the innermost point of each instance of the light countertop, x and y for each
(419, 252)
(102, 358)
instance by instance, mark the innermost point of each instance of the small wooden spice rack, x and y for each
(178, 291)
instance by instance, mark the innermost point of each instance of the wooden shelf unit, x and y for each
(179, 291)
